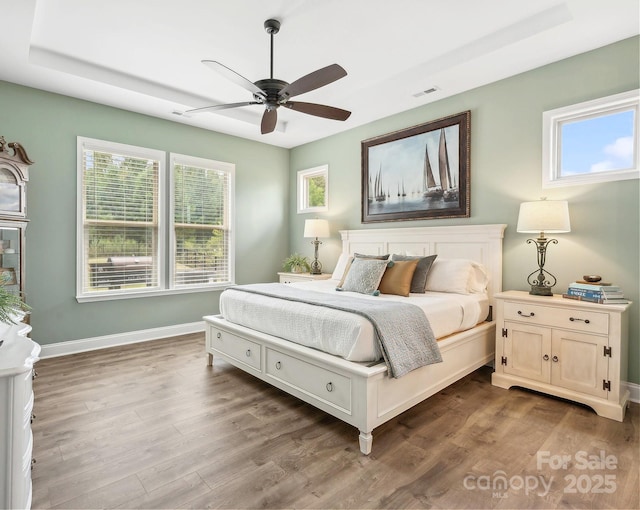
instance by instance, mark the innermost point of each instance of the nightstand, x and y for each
(302, 277)
(571, 349)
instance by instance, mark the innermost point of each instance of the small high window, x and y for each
(313, 189)
(590, 142)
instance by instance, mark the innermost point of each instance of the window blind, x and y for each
(201, 223)
(120, 221)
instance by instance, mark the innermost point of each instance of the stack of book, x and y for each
(603, 293)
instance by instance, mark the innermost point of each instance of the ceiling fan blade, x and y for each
(221, 107)
(319, 110)
(269, 120)
(231, 75)
(313, 81)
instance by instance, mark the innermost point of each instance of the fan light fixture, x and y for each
(552, 217)
(273, 93)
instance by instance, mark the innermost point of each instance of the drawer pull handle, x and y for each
(555, 359)
(34, 375)
(33, 461)
(586, 321)
(278, 365)
(329, 386)
(545, 357)
(524, 315)
(248, 353)
(219, 335)
(33, 417)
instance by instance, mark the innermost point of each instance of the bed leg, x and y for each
(209, 359)
(366, 440)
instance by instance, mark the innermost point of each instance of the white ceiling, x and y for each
(144, 55)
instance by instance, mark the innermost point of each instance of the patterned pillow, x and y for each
(364, 276)
(419, 281)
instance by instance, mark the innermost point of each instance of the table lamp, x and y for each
(552, 217)
(316, 228)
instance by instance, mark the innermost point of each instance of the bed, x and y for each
(361, 391)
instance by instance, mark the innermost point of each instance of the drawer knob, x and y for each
(555, 359)
(248, 353)
(34, 374)
(219, 335)
(329, 386)
(33, 417)
(586, 321)
(545, 357)
(278, 365)
(526, 315)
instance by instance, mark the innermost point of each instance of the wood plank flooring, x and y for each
(151, 426)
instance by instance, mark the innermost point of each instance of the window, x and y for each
(594, 141)
(135, 238)
(201, 221)
(313, 189)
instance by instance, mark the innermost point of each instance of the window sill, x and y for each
(88, 298)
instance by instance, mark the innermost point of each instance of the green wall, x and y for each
(505, 170)
(506, 159)
(47, 126)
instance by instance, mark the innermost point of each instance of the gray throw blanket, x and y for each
(402, 330)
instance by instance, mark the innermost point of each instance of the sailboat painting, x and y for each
(417, 173)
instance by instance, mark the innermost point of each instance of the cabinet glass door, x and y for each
(10, 196)
(10, 257)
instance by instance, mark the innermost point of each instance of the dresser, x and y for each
(571, 349)
(302, 277)
(18, 354)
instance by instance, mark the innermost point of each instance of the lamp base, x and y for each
(540, 290)
(541, 280)
(316, 266)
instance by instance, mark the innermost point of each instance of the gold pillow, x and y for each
(397, 278)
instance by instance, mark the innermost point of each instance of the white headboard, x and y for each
(481, 243)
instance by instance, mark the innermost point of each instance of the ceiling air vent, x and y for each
(425, 92)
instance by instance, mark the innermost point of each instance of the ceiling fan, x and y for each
(273, 93)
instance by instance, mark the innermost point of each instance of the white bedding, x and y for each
(341, 333)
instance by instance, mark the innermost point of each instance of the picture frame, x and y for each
(418, 173)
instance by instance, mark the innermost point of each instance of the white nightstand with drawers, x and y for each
(302, 277)
(571, 349)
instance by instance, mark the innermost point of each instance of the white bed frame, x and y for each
(365, 396)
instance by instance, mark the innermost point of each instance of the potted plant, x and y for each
(12, 307)
(296, 263)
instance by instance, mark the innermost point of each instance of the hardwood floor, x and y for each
(151, 426)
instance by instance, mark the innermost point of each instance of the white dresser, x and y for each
(571, 349)
(17, 357)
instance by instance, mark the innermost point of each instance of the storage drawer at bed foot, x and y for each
(321, 383)
(242, 350)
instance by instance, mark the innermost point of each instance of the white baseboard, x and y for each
(634, 390)
(131, 337)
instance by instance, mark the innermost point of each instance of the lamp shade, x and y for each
(316, 228)
(551, 216)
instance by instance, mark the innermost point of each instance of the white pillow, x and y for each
(341, 265)
(479, 280)
(459, 276)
